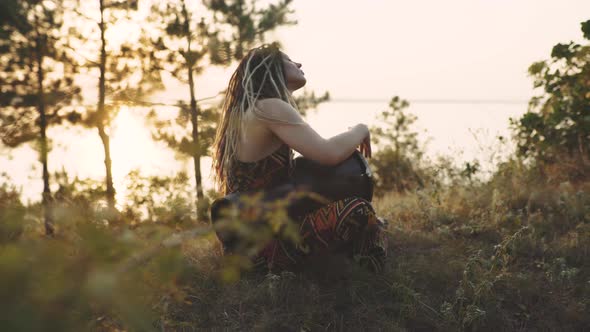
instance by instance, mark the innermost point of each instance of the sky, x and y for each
(451, 49)
(364, 53)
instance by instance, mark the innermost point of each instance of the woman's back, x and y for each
(257, 141)
(267, 172)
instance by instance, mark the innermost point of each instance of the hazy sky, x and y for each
(428, 49)
(477, 49)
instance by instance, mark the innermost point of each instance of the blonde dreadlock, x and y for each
(259, 76)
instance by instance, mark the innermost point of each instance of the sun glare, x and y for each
(131, 148)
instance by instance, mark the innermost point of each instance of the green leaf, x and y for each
(586, 29)
(537, 67)
(562, 51)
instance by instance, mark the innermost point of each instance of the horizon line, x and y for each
(432, 101)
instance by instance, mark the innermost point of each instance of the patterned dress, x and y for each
(347, 226)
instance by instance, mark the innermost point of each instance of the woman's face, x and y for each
(293, 73)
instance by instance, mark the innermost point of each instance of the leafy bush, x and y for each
(396, 164)
(556, 129)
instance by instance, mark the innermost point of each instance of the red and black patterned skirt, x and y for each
(348, 226)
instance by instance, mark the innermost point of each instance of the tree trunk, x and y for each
(194, 110)
(196, 151)
(46, 198)
(110, 193)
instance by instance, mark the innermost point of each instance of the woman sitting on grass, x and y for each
(259, 128)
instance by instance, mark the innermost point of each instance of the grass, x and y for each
(469, 257)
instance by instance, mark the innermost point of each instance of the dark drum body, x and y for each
(351, 177)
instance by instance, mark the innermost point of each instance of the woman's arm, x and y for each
(285, 122)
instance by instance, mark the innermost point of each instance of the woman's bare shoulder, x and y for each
(275, 109)
(269, 102)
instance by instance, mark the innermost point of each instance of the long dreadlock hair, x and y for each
(259, 75)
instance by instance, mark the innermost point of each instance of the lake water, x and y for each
(465, 131)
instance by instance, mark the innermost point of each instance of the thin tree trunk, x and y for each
(108, 165)
(194, 110)
(110, 193)
(46, 198)
(196, 152)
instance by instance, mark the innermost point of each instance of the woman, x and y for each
(260, 125)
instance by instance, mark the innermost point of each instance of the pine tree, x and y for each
(397, 163)
(119, 67)
(36, 80)
(214, 33)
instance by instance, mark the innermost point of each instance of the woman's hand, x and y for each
(365, 147)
